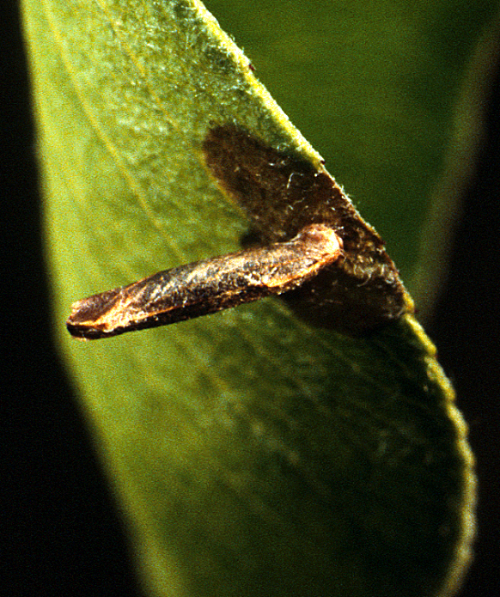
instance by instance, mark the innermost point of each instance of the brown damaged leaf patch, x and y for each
(281, 194)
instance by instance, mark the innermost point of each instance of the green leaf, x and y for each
(253, 454)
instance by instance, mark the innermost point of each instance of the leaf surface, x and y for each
(254, 454)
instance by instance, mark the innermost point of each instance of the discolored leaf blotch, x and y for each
(281, 194)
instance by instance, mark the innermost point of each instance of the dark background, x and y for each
(63, 531)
